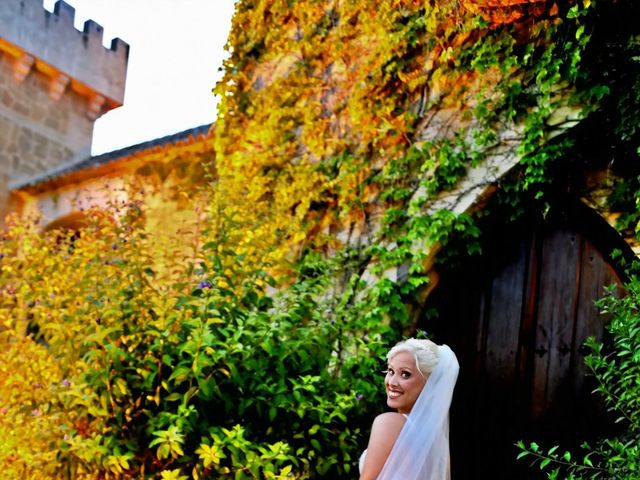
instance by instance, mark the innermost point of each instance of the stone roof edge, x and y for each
(102, 159)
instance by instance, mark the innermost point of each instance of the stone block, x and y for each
(7, 99)
(21, 109)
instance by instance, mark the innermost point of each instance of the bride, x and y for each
(412, 443)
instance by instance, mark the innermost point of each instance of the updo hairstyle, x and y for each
(424, 351)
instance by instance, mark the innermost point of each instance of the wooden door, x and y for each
(518, 318)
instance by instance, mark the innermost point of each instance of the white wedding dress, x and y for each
(421, 451)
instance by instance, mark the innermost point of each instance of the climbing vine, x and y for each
(333, 119)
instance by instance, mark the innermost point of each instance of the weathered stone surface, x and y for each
(53, 38)
(36, 131)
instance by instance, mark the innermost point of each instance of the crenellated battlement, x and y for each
(77, 59)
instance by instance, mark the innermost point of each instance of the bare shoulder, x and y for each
(386, 427)
(384, 432)
(389, 422)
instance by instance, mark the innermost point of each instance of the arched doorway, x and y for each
(518, 317)
(73, 221)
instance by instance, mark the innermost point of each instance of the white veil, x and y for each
(421, 451)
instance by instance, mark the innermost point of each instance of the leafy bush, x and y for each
(78, 297)
(115, 367)
(617, 372)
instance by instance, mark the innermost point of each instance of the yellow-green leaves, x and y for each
(169, 443)
(174, 474)
(209, 455)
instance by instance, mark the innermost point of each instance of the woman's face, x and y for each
(403, 382)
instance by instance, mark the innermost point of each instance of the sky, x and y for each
(176, 48)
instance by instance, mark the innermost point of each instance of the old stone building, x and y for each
(55, 81)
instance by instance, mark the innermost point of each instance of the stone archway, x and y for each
(72, 221)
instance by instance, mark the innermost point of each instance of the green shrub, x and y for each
(201, 372)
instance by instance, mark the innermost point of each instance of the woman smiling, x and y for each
(412, 443)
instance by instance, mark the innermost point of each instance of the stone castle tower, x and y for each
(55, 81)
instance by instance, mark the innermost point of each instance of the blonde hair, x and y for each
(424, 351)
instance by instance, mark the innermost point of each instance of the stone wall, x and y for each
(168, 167)
(36, 131)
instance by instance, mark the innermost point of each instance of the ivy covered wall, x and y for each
(393, 119)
